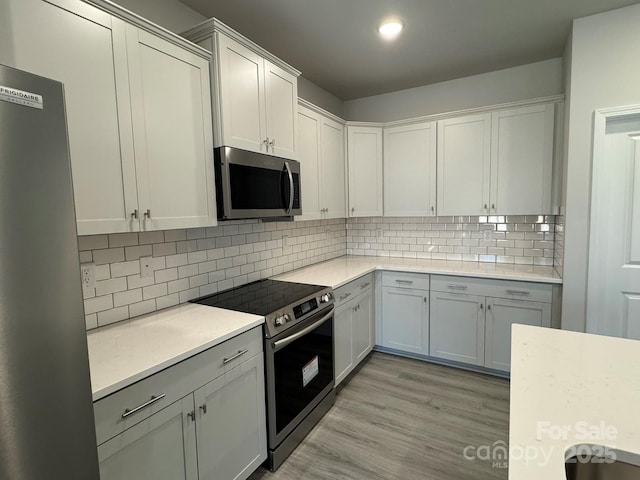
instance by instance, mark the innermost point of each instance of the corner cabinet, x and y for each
(497, 163)
(364, 161)
(405, 312)
(321, 156)
(123, 146)
(203, 418)
(255, 95)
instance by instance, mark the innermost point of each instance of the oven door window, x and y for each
(302, 370)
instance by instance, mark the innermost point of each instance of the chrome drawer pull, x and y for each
(365, 285)
(232, 358)
(517, 292)
(405, 282)
(457, 287)
(131, 411)
(342, 297)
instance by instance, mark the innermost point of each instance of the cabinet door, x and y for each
(333, 185)
(405, 320)
(522, 160)
(309, 157)
(457, 327)
(343, 343)
(501, 315)
(241, 80)
(231, 423)
(410, 170)
(281, 102)
(365, 171)
(85, 49)
(172, 129)
(161, 447)
(464, 162)
(363, 327)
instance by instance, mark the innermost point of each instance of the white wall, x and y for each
(605, 72)
(519, 83)
(170, 14)
(320, 97)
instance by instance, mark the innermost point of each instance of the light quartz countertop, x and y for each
(123, 353)
(570, 389)
(341, 270)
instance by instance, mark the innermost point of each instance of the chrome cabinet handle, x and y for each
(135, 214)
(148, 213)
(233, 357)
(518, 292)
(192, 416)
(203, 407)
(457, 287)
(365, 285)
(353, 209)
(493, 205)
(286, 165)
(485, 206)
(433, 209)
(266, 142)
(405, 282)
(342, 297)
(489, 307)
(272, 143)
(481, 307)
(131, 411)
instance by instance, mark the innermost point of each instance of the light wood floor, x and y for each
(404, 419)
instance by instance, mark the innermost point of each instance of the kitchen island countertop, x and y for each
(569, 389)
(341, 270)
(126, 352)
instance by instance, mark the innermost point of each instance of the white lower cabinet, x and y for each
(353, 325)
(194, 429)
(502, 313)
(405, 312)
(471, 318)
(457, 327)
(161, 447)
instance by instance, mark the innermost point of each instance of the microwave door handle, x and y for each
(286, 165)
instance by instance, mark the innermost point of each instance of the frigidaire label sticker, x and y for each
(309, 371)
(20, 97)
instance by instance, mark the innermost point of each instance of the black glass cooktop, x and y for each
(260, 298)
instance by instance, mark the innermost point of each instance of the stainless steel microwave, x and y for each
(255, 185)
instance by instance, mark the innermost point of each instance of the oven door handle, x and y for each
(292, 338)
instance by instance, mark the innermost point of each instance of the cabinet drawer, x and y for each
(353, 288)
(418, 281)
(154, 393)
(537, 292)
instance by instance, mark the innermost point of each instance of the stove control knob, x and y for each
(287, 317)
(279, 321)
(325, 298)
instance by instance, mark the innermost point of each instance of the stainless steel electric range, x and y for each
(299, 355)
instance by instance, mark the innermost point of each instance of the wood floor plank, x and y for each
(399, 418)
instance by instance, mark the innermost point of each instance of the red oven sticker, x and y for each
(309, 371)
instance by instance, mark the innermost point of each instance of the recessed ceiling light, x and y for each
(390, 28)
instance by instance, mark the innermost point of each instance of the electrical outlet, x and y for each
(486, 235)
(379, 233)
(88, 274)
(146, 267)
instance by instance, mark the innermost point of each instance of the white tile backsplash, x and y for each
(195, 262)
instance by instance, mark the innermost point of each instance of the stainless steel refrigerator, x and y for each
(47, 428)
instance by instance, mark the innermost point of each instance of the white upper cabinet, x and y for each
(321, 156)
(464, 162)
(364, 161)
(173, 140)
(410, 170)
(498, 163)
(84, 48)
(137, 109)
(522, 160)
(255, 95)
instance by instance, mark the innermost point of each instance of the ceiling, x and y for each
(335, 43)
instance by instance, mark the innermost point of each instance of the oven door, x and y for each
(299, 373)
(255, 185)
